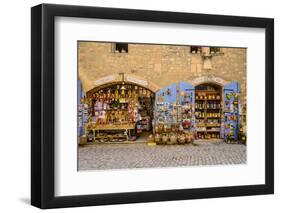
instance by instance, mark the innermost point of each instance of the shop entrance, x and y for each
(120, 112)
(208, 111)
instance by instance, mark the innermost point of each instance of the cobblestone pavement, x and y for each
(121, 156)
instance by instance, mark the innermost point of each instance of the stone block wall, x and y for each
(159, 64)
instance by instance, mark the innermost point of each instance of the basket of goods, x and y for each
(173, 139)
(189, 137)
(157, 138)
(181, 139)
(150, 139)
(165, 128)
(168, 128)
(165, 139)
(83, 140)
(157, 129)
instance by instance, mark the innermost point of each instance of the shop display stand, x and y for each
(80, 120)
(177, 110)
(118, 111)
(173, 123)
(145, 114)
(208, 113)
(83, 116)
(232, 112)
(243, 126)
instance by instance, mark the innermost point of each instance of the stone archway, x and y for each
(209, 79)
(115, 78)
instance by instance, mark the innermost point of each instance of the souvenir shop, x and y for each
(176, 114)
(208, 111)
(117, 112)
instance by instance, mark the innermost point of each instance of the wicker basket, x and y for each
(189, 137)
(150, 139)
(173, 139)
(181, 139)
(165, 139)
(157, 138)
(82, 140)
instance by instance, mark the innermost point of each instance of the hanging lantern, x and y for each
(123, 87)
(123, 83)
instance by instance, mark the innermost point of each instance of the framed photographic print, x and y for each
(136, 106)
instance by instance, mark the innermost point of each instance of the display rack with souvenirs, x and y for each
(231, 112)
(115, 111)
(145, 112)
(178, 113)
(243, 126)
(208, 111)
(187, 107)
(83, 116)
(173, 123)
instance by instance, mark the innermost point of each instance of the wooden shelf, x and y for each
(207, 91)
(207, 108)
(213, 108)
(207, 99)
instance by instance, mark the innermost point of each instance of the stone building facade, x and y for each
(160, 65)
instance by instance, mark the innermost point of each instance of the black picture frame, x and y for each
(43, 102)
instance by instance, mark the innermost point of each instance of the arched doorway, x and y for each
(120, 111)
(208, 111)
(88, 85)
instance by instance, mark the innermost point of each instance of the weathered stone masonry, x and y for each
(158, 64)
